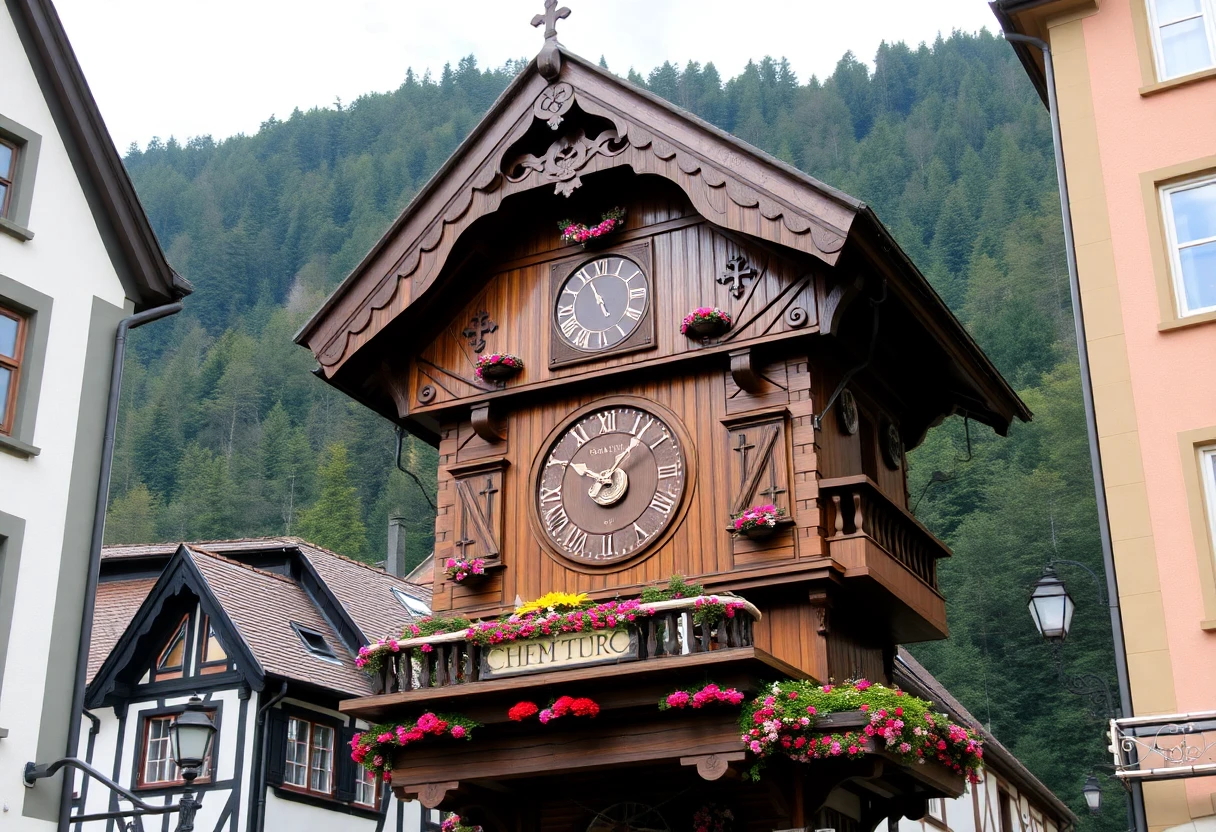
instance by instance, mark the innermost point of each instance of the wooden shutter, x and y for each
(276, 747)
(345, 769)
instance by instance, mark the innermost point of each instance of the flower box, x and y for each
(705, 322)
(588, 236)
(758, 522)
(498, 366)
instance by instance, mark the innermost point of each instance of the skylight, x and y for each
(412, 604)
(314, 642)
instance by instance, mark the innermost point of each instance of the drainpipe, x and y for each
(99, 525)
(1137, 820)
(258, 821)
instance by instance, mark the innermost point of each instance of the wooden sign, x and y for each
(538, 655)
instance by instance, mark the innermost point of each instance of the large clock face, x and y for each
(610, 484)
(601, 303)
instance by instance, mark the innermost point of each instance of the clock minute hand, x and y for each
(620, 458)
(583, 471)
(598, 299)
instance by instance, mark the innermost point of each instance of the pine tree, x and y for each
(131, 518)
(335, 521)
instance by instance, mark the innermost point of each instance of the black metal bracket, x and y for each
(1087, 685)
(34, 773)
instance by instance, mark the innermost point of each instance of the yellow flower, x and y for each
(554, 601)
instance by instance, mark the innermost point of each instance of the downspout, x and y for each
(99, 524)
(258, 821)
(1137, 820)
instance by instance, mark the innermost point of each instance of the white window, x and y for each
(1207, 465)
(310, 756)
(1190, 220)
(365, 787)
(1184, 36)
(158, 767)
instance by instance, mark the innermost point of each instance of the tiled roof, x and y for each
(911, 676)
(365, 591)
(263, 607)
(424, 573)
(117, 603)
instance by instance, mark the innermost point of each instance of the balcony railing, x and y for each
(671, 630)
(854, 507)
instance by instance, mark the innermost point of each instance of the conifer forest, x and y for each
(224, 431)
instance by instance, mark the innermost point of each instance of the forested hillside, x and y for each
(224, 432)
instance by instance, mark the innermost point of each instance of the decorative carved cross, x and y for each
(488, 492)
(772, 492)
(736, 272)
(464, 543)
(742, 450)
(479, 327)
(550, 17)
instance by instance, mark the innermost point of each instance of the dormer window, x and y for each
(412, 605)
(171, 662)
(314, 642)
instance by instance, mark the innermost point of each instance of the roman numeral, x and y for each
(548, 495)
(638, 421)
(569, 325)
(556, 519)
(635, 314)
(641, 533)
(639, 292)
(656, 443)
(607, 421)
(582, 275)
(580, 435)
(565, 311)
(668, 471)
(575, 540)
(555, 461)
(582, 339)
(607, 550)
(662, 503)
(601, 267)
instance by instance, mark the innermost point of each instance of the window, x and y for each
(172, 660)
(936, 811)
(411, 604)
(1184, 36)
(8, 170)
(1006, 806)
(1207, 464)
(157, 767)
(1190, 221)
(212, 657)
(12, 345)
(310, 756)
(18, 164)
(366, 786)
(314, 642)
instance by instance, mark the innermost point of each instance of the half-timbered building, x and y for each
(577, 231)
(266, 632)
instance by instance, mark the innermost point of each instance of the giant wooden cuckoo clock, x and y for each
(611, 481)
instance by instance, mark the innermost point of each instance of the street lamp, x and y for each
(1051, 606)
(1092, 791)
(190, 738)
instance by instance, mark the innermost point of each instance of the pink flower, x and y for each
(458, 732)
(545, 716)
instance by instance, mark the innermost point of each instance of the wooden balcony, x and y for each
(882, 544)
(452, 664)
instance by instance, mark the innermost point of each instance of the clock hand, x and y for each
(621, 457)
(583, 471)
(598, 299)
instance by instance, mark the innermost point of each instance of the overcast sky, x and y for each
(191, 67)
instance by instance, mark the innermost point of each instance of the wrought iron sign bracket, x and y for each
(187, 807)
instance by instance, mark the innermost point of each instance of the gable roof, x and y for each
(911, 676)
(148, 278)
(732, 184)
(117, 602)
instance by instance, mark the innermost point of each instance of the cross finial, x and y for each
(550, 17)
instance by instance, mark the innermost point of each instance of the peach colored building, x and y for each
(1136, 86)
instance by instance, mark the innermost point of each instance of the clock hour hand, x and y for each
(599, 299)
(583, 471)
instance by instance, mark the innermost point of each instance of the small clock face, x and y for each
(601, 303)
(610, 484)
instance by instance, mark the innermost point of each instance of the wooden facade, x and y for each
(839, 358)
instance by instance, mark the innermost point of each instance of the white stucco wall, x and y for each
(982, 802)
(66, 260)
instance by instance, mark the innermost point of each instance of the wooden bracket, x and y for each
(821, 604)
(713, 766)
(430, 795)
(485, 425)
(743, 370)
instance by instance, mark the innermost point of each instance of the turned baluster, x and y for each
(381, 683)
(441, 666)
(705, 638)
(723, 636)
(859, 520)
(671, 635)
(688, 634)
(652, 644)
(425, 677)
(406, 673)
(839, 515)
(453, 659)
(474, 662)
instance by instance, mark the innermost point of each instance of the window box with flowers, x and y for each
(758, 522)
(498, 366)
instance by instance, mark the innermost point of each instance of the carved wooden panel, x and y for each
(758, 473)
(478, 520)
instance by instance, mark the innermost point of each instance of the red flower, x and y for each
(561, 706)
(522, 711)
(584, 707)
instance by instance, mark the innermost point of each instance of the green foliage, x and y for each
(224, 424)
(335, 520)
(676, 587)
(132, 517)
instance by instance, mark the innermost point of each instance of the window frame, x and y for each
(1207, 12)
(933, 819)
(310, 751)
(1166, 192)
(183, 627)
(361, 777)
(303, 633)
(15, 213)
(9, 181)
(141, 780)
(205, 665)
(1207, 484)
(8, 417)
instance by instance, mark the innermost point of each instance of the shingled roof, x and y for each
(117, 603)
